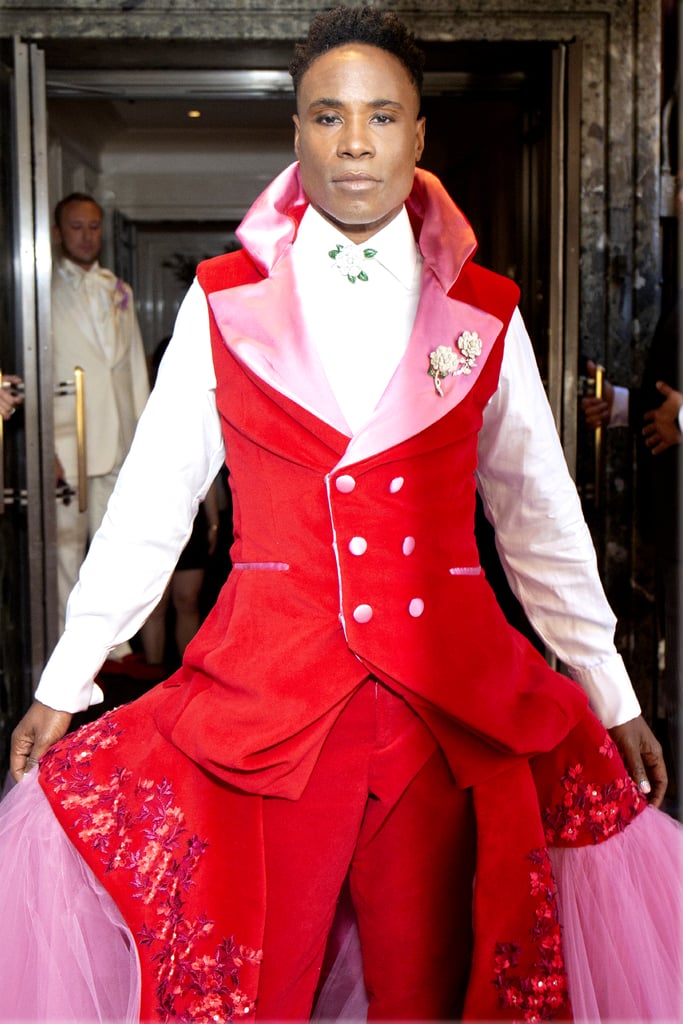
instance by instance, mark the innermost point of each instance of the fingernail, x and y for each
(644, 786)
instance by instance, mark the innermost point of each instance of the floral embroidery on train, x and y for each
(540, 994)
(141, 831)
(592, 810)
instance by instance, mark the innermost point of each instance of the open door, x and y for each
(28, 617)
(565, 184)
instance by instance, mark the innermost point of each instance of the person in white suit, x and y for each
(94, 326)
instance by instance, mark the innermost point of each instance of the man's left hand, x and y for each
(661, 429)
(643, 757)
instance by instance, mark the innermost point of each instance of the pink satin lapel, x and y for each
(410, 402)
(263, 327)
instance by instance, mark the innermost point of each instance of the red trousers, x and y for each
(381, 808)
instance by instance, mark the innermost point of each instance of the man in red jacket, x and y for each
(356, 704)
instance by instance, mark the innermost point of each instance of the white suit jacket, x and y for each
(94, 326)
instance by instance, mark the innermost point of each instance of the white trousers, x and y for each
(74, 532)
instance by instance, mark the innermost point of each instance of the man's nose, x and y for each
(355, 138)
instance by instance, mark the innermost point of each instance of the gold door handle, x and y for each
(76, 387)
(79, 384)
(599, 383)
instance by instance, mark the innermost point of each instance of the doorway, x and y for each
(125, 135)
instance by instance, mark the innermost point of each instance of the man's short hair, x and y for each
(343, 25)
(74, 197)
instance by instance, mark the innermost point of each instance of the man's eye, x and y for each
(327, 119)
(382, 119)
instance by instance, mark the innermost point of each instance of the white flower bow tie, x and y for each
(350, 259)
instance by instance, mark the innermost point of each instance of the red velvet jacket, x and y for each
(344, 543)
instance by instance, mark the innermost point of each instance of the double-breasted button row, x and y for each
(362, 613)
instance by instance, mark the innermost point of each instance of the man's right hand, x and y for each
(11, 395)
(597, 411)
(40, 727)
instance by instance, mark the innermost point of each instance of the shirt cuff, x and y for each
(609, 689)
(620, 403)
(59, 687)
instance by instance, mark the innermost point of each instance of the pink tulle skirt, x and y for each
(621, 909)
(66, 954)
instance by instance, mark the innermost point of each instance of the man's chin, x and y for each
(81, 261)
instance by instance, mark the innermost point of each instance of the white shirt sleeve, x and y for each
(544, 544)
(176, 453)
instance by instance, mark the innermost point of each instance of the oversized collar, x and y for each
(444, 236)
(262, 322)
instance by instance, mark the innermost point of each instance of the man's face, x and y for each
(80, 232)
(358, 137)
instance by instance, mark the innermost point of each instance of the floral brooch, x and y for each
(349, 260)
(443, 361)
(121, 295)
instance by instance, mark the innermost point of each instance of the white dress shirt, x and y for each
(360, 330)
(542, 538)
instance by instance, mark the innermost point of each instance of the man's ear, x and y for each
(297, 132)
(419, 139)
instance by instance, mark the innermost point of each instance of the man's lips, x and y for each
(355, 182)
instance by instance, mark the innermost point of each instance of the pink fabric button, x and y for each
(358, 545)
(363, 613)
(416, 607)
(396, 484)
(408, 545)
(345, 484)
